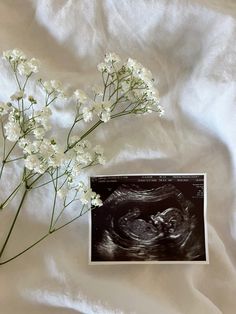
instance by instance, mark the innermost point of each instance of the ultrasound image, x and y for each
(148, 218)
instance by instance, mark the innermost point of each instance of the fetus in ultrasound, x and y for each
(147, 224)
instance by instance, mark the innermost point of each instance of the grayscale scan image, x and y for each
(149, 218)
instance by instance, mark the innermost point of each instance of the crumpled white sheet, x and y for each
(190, 46)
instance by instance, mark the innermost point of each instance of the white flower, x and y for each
(160, 111)
(101, 160)
(81, 186)
(80, 95)
(32, 162)
(102, 109)
(85, 144)
(18, 95)
(87, 114)
(39, 133)
(57, 159)
(86, 196)
(102, 67)
(4, 108)
(76, 169)
(105, 116)
(28, 67)
(111, 57)
(96, 201)
(54, 87)
(22, 143)
(42, 154)
(153, 94)
(43, 116)
(84, 158)
(13, 131)
(139, 71)
(14, 55)
(47, 149)
(98, 150)
(28, 147)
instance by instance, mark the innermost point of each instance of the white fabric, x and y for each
(190, 48)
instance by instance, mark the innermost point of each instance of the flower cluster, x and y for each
(127, 88)
(4, 108)
(100, 109)
(41, 155)
(53, 88)
(82, 192)
(129, 82)
(20, 63)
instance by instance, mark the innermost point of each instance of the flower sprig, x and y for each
(127, 88)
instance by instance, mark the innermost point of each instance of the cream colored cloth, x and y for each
(190, 48)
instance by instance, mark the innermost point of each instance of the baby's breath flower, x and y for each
(87, 114)
(84, 158)
(160, 111)
(103, 110)
(18, 95)
(111, 57)
(4, 109)
(28, 67)
(14, 55)
(42, 117)
(139, 71)
(54, 87)
(39, 133)
(32, 162)
(22, 143)
(128, 88)
(12, 131)
(102, 67)
(80, 95)
(96, 201)
(87, 195)
(99, 154)
(85, 144)
(105, 116)
(76, 170)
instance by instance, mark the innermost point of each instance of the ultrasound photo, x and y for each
(149, 219)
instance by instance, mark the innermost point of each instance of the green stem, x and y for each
(72, 220)
(28, 248)
(2, 167)
(13, 223)
(85, 134)
(10, 151)
(15, 159)
(4, 149)
(43, 237)
(68, 136)
(54, 200)
(17, 80)
(11, 196)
